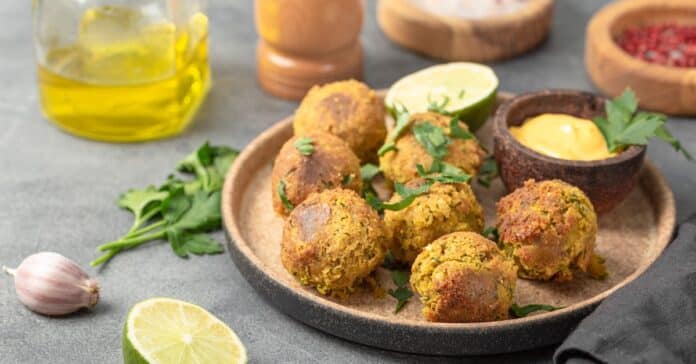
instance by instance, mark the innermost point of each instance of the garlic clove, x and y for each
(51, 284)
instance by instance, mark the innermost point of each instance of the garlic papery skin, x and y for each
(53, 285)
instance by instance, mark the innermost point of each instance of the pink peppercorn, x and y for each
(666, 44)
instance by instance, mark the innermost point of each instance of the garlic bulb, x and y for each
(51, 284)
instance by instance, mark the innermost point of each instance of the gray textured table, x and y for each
(57, 192)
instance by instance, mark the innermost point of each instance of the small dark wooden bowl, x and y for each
(606, 182)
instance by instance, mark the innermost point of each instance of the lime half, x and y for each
(169, 331)
(467, 90)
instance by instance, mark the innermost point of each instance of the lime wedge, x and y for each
(169, 331)
(467, 90)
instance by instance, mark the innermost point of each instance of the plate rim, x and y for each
(240, 248)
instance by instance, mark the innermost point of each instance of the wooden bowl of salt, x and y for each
(470, 30)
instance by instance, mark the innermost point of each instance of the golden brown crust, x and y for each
(549, 227)
(463, 277)
(400, 165)
(330, 165)
(446, 208)
(332, 241)
(349, 110)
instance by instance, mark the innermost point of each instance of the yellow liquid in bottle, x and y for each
(127, 78)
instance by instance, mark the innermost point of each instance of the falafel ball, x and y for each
(347, 109)
(548, 227)
(399, 165)
(330, 164)
(444, 209)
(332, 241)
(463, 277)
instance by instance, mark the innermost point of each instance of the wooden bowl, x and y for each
(660, 88)
(606, 182)
(630, 238)
(458, 39)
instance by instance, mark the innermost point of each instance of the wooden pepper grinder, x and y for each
(307, 42)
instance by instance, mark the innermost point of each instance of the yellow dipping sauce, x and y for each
(563, 136)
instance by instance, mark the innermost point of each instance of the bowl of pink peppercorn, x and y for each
(649, 46)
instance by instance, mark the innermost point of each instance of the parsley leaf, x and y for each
(439, 107)
(179, 211)
(408, 195)
(368, 172)
(347, 179)
(283, 197)
(402, 117)
(184, 243)
(141, 203)
(204, 163)
(202, 214)
(305, 146)
(400, 277)
(432, 138)
(523, 311)
(389, 260)
(402, 293)
(623, 126)
(491, 233)
(456, 131)
(488, 171)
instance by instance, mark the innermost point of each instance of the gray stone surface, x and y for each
(57, 193)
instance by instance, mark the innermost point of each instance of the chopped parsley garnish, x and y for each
(305, 146)
(491, 233)
(402, 116)
(456, 131)
(488, 171)
(402, 293)
(624, 125)
(408, 195)
(347, 179)
(283, 197)
(368, 172)
(523, 311)
(432, 138)
(438, 107)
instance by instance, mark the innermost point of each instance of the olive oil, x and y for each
(127, 77)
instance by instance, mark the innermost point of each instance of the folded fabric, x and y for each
(651, 320)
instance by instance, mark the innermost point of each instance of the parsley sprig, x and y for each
(180, 211)
(402, 293)
(624, 125)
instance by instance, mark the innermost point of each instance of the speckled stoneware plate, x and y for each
(630, 237)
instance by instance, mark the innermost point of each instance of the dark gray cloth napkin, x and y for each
(651, 320)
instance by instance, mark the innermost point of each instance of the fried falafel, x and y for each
(464, 277)
(347, 109)
(400, 164)
(332, 241)
(548, 227)
(444, 209)
(331, 164)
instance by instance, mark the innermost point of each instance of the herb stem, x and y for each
(106, 257)
(146, 229)
(131, 242)
(140, 221)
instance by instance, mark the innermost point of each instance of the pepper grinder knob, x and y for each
(307, 42)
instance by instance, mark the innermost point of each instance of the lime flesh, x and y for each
(467, 90)
(169, 331)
